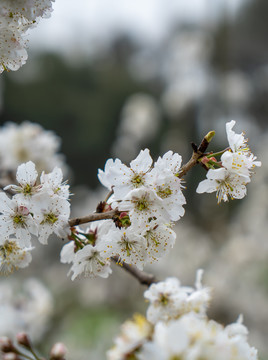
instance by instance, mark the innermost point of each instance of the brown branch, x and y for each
(197, 153)
(143, 277)
(93, 217)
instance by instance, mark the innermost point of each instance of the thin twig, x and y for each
(143, 277)
(197, 153)
(93, 217)
(109, 195)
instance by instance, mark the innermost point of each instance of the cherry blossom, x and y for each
(13, 255)
(129, 246)
(16, 219)
(226, 185)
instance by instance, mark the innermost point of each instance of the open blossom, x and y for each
(159, 239)
(237, 142)
(13, 255)
(226, 185)
(26, 177)
(52, 215)
(169, 300)
(129, 246)
(29, 141)
(134, 333)
(16, 219)
(89, 262)
(192, 337)
(28, 10)
(144, 205)
(53, 185)
(12, 48)
(168, 188)
(169, 161)
(16, 17)
(123, 179)
(237, 163)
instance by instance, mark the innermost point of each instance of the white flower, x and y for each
(52, 216)
(169, 342)
(52, 184)
(129, 246)
(240, 163)
(12, 48)
(104, 176)
(168, 188)
(13, 256)
(167, 300)
(160, 238)
(16, 219)
(28, 141)
(192, 337)
(227, 185)
(124, 179)
(29, 10)
(236, 141)
(89, 261)
(26, 177)
(133, 334)
(144, 205)
(169, 161)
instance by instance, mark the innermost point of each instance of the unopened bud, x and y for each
(209, 136)
(23, 210)
(58, 351)
(123, 214)
(23, 339)
(6, 344)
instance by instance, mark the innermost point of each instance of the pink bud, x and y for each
(123, 214)
(23, 210)
(23, 339)
(58, 351)
(205, 160)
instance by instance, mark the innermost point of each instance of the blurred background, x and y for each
(112, 77)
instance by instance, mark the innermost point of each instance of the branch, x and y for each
(197, 153)
(141, 276)
(93, 217)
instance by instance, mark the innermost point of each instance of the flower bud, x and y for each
(6, 344)
(23, 339)
(58, 351)
(23, 210)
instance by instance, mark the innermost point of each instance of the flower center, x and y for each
(142, 204)
(8, 248)
(27, 189)
(137, 180)
(50, 218)
(163, 299)
(164, 193)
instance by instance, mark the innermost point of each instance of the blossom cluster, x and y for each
(177, 327)
(229, 177)
(37, 208)
(148, 198)
(20, 143)
(25, 306)
(16, 18)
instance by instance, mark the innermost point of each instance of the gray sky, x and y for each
(91, 23)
